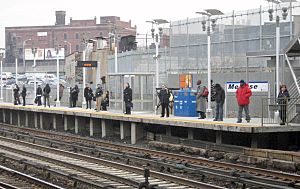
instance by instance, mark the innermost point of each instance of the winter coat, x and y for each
(127, 94)
(24, 91)
(16, 92)
(243, 94)
(39, 91)
(164, 96)
(220, 95)
(213, 92)
(283, 97)
(61, 91)
(99, 92)
(200, 100)
(74, 93)
(47, 91)
(88, 93)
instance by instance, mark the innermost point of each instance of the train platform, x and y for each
(133, 125)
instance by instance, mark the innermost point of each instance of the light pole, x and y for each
(24, 63)
(2, 53)
(57, 49)
(16, 61)
(70, 46)
(156, 38)
(83, 74)
(211, 24)
(284, 15)
(34, 51)
(113, 35)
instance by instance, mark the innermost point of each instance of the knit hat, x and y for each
(242, 81)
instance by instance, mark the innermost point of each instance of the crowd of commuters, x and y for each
(165, 96)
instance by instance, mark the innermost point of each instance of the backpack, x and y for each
(205, 91)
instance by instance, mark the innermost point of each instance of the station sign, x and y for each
(87, 64)
(256, 86)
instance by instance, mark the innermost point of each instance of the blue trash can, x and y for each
(185, 103)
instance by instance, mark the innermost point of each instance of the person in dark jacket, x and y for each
(16, 95)
(164, 96)
(39, 93)
(47, 91)
(127, 93)
(74, 95)
(220, 99)
(105, 101)
(243, 95)
(213, 103)
(98, 94)
(88, 95)
(23, 94)
(283, 98)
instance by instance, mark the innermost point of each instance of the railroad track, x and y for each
(254, 176)
(11, 179)
(108, 173)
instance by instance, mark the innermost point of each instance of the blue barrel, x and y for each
(185, 103)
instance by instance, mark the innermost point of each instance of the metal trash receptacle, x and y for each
(185, 103)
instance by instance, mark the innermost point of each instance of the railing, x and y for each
(279, 110)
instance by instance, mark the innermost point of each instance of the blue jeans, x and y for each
(219, 111)
(240, 114)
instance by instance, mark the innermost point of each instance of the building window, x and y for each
(65, 36)
(77, 35)
(77, 47)
(66, 47)
(101, 34)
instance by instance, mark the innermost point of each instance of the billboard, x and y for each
(256, 86)
(50, 54)
(38, 56)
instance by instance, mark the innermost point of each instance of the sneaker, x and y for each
(239, 121)
(215, 119)
(248, 121)
(282, 123)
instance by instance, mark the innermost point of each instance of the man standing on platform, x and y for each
(98, 94)
(23, 94)
(202, 93)
(39, 93)
(243, 95)
(47, 91)
(220, 99)
(164, 96)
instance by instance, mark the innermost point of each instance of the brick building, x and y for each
(69, 36)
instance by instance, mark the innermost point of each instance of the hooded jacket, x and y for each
(243, 94)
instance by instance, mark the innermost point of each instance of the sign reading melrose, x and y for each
(255, 86)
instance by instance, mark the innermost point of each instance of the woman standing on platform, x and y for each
(74, 95)
(23, 94)
(202, 93)
(128, 98)
(283, 98)
(16, 95)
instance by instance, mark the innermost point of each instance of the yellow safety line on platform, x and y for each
(134, 116)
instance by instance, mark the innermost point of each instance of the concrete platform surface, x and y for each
(228, 124)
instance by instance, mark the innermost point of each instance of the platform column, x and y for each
(41, 121)
(3, 113)
(190, 133)
(103, 128)
(11, 117)
(35, 120)
(19, 121)
(76, 125)
(218, 137)
(254, 139)
(124, 130)
(65, 122)
(136, 132)
(54, 122)
(168, 131)
(26, 119)
(91, 127)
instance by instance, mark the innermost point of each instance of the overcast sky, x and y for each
(42, 12)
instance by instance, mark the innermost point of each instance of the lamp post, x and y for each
(34, 51)
(211, 24)
(57, 49)
(156, 38)
(1, 61)
(16, 61)
(70, 46)
(24, 63)
(284, 15)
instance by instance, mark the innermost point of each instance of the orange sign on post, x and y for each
(185, 81)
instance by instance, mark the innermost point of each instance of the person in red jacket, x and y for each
(243, 94)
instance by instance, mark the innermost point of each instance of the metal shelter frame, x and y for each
(120, 81)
